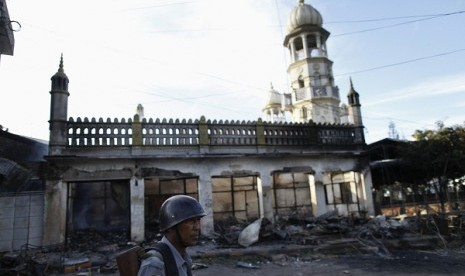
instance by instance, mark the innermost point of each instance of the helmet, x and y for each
(177, 209)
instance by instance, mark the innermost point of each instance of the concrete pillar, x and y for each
(319, 45)
(260, 129)
(137, 131)
(56, 195)
(206, 200)
(137, 203)
(317, 194)
(304, 43)
(265, 196)
(367, 185)
(293, 57)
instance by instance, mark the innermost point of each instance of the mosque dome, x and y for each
(274, 98)
(303, 14)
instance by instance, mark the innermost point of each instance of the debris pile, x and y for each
(330, 233)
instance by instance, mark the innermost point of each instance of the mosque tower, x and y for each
(58, 110)
(313, 94)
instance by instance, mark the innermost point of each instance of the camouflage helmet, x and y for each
(177, 209)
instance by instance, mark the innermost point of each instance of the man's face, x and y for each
(190, 231)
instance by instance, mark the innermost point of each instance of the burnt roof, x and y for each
(22, 149)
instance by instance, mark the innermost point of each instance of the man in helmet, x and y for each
(180, 224)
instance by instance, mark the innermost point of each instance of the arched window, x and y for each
(301, 82)
(311, 41)
(304, 114)
(299, 49)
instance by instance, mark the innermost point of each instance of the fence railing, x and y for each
(160, 133)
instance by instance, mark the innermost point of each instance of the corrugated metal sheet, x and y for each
(13, 177)
(21, 220)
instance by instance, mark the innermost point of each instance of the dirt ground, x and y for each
(399, 263)
(376, 249)
(418, 262)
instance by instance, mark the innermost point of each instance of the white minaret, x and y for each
(313, 93)
(273, 110)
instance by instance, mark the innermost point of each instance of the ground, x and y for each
(341, 257)
(400, 263)
(379, 247)
(405, 262)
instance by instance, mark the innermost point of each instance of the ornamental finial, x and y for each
(61, 70)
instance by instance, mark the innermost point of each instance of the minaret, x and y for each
(355, 113)
(58, 111)
(273, 110)
(140, 111)
(313, 93)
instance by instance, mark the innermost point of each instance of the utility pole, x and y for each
(393, 134)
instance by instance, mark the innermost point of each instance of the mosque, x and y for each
(305, 158)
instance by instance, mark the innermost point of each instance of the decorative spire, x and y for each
(353, 96)
(61, 70)
(301, 2)
(60, 80)
(352, 90)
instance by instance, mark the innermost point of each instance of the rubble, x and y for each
(247, 265)
(71, 265)
(250, 234)
(330, 234)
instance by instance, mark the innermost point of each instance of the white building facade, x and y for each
(109, 173)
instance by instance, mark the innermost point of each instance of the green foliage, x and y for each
(436, 156)
(439, 153)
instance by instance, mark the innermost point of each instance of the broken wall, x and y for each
(343, 191)
(102, 206)
(291, 194)
(235, 197)
(157, 190)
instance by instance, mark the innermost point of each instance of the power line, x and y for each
(354, 72)
(385, 27)
(158, 6)
(280, 25)
(393, 18)
(434, 16)
(395, 119)
(282, 35)
(399, 63)
(191, 100)
(399, 24)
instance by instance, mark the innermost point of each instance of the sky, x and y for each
(183, 59)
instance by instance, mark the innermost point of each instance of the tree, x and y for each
(437, 157)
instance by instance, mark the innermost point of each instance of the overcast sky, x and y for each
(184, 59)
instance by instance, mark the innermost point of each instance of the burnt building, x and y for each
(115, 173)
(21, 190)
